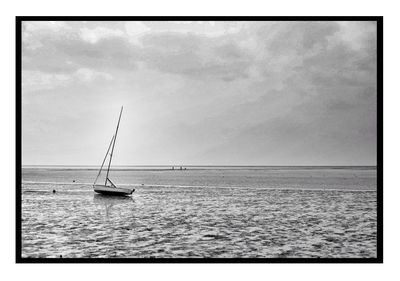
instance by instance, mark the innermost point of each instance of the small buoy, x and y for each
(73, 181)
(54, 191)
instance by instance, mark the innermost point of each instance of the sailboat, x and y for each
(109, 188)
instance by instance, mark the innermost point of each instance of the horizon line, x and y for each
(192, 165)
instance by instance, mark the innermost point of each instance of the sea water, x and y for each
(213, 212)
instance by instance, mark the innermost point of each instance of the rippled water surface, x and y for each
(201, 213)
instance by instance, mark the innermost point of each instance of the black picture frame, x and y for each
(18, 132)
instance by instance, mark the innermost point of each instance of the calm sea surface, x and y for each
(201, 212)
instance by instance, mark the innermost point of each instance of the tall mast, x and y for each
(112, 150)
(104, 160)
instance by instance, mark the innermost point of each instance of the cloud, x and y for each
(193, 54)
(33, 31)
(213, 92)
(69, 52)
(204, 28)
(357, 34)
(313, 100)
(196, 57)
(134, 30)
(40, 26)
(89, 75)
(36, 80)
(98, 33)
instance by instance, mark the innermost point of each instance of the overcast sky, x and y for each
(211, 93)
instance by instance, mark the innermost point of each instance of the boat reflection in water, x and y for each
(109, 201)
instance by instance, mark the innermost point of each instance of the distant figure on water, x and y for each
(54, 191)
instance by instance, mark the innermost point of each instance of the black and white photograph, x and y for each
(199, 139)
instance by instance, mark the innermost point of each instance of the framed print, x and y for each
(199, 139)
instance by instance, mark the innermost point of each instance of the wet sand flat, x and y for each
(198, 221)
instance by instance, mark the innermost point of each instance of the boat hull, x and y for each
(117, 191)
